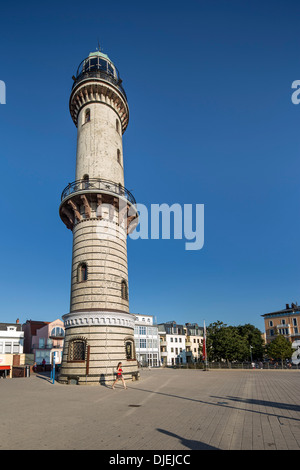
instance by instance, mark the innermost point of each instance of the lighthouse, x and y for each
(100, 212)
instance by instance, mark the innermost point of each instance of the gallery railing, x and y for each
(97, 184)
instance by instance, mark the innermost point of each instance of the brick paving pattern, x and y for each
(168, 409)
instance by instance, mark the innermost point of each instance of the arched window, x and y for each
(124, 290)
(85, 184)
(87, 115)
(77, 350)
(117, 126)
(82, 272)
(129, 348)
(57, 331)
(119, 156)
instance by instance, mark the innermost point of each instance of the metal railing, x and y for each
(102, 75)
(97, 184)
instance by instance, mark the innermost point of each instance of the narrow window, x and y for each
(129, 349)
(87, 116)
(121, 190)
(85, 182)
(119, 156)
(124, 290)
(117, 126)
(82, 272)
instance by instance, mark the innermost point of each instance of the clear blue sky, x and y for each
(211, 122)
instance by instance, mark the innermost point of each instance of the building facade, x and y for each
(147, 343)
(172, 343)
(100, 212)
(284, 322)
(43, 339)
(11, 347)
(193, 342)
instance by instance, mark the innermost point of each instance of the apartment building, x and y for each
(11, 347)
(193, 342)
(43, 339)
(172, 343)
(146, 340)
(284, 322)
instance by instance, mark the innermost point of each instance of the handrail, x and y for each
(96, 184)
(99, 74)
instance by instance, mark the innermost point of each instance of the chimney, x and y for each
(18, 321)
(287, 306)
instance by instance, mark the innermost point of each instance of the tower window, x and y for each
(124, 290)
(129, 349)
(85, 181)
(119, 156)
(117, 126)
(82, 272)
(76, 351)
(87, 115)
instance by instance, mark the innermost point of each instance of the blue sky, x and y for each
(211, 122)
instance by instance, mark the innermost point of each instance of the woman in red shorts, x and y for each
(119, 375)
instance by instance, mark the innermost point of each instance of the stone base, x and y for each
(94, 344)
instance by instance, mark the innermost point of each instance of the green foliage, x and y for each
(232, 343)
(280, 348)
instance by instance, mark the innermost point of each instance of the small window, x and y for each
(82, 272)
(119, 156)
(124, 290)
(87, 115)
(117, 126)
(129, 349)
(85, 184)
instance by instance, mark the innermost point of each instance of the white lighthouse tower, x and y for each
(100, 212)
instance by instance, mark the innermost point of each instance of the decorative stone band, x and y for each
(101, 318)
(93, 90)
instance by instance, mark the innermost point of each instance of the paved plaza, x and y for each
(168, 409)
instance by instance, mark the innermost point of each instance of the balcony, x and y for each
(47, 346)
(96, 185)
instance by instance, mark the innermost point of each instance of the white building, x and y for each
(11, 347)
(172, 343)
(146, 340)
(11, 338)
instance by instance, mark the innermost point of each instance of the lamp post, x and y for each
(251, 354)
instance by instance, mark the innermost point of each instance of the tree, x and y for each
(280, 348)
(225, 343)
(253, 338)
(232, 343)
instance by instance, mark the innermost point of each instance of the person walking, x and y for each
(119, 376)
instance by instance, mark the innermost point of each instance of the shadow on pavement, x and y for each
(189, 443)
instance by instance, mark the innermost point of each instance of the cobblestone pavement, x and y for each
(168, 409)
